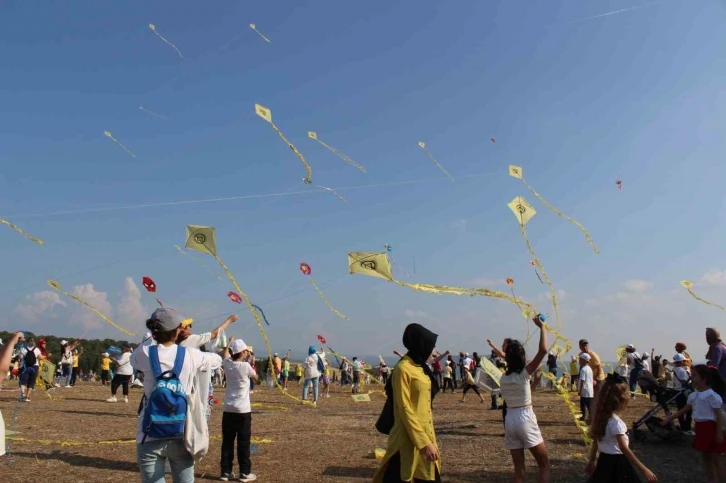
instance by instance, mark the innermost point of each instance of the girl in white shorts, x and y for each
(521, 430)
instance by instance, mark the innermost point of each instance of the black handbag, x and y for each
(386, 419)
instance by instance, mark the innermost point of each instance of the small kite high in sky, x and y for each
(153, 29)
(321, 339)
(619, 184)
(688, 285)
(266, 114)
(234, 297)
(152, 113)
(254, 27)
(422, 145)
(306, 270)
(534, 267)
(56, 286)
(516, 172)
(110, 136)
(313, 135)
(148, 284)
(22, 232)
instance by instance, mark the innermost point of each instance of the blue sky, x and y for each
(635, 96)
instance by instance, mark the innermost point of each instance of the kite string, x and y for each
(588, 237)
(327, 302)
(259, 325)
(437, 163)
(199, 262)
(544, 274)
(399, 266)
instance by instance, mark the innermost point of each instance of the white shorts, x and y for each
(521, 430)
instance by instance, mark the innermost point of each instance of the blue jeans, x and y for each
(634, 375)
(152, 455)
(67, 373)
(314, 381)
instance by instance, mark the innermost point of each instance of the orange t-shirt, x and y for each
(278, 364)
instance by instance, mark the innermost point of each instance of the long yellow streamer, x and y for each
(688, 285)
(199, 262)
(337, 195)
(150, 112)
(342, 156)
(565, 395)
(266, 114)
(110, 136)
(537, 261)
(153, 29)
(423, 146)
(444, 289)
(258, 319)
(55, 285)
(22, 232)
(327, 302)
(254, 27)
(516, 172)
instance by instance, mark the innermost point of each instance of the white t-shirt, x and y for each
(196, 340)
(37, 355)
(609, 443)
(467, 362)
(2, 435)
(310, 367)
(631, 358)
(515, 389)
(585, 382)
(646, 366)
(681, 377)
(703, 404)
(195, 362)
(124, 365)
(237, 395)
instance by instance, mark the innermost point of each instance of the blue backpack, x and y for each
(166, 410)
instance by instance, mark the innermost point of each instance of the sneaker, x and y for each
(250, 477)
(111, 399)
(126, 399)
(56, 385)
(689, 433)
(27, 399)
(225, 477)
(68, 387)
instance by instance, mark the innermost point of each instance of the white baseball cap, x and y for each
(237, 346)
(645, 354)
(64, 342)
(679, 358)
(105, 354)
(630, 346)
(585, 356)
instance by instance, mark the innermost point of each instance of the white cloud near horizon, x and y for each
(415, 314)
(714, 277)
(39, 304)
(638, 286)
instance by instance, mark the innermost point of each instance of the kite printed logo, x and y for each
(368, 264)
(521, 209)
(200, 238)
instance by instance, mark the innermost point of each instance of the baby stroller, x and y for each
(666, 399)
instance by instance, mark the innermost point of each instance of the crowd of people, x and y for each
(172, 370)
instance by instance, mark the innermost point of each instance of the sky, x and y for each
(578, 102)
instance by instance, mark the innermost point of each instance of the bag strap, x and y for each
(179, 361)
(154, 361)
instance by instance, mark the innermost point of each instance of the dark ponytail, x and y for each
(712, 377)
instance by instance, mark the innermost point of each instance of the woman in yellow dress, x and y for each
(412, 454)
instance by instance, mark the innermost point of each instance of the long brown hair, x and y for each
(614, 396)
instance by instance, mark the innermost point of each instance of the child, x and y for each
(706, 405)
(616, 462)
(448, 381)
(299, 373)
(682, 380)
(105, 367)
(521, 430)
(237, 416)
(585, 389)
(326, 379)
(574, 374)
(469, 384)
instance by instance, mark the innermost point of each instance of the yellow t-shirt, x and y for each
(326, 372)
(75, 360)
(105, 364)
(299, 371)
(286, 366)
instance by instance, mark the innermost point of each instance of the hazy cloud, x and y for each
(38, 304)
(459, 224)
(714, 277)
(131, 312)
(415, 314)
(99, 300)
(638, 285)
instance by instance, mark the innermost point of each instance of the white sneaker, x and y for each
(56, 385)
(68, 387)
(111, 399)
(250, 477)
(126, 399)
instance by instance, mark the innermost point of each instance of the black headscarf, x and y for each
(420, 343)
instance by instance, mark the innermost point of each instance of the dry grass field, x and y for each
(332, 443)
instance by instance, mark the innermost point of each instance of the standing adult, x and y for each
(66, 363)
(123, 373)
(311, 372)
(635, 363)
(356, 365)
(598, 374)
(412, 454)
(153, 360)
(716, 355)
(277, 364)
(6, 354)
(552, 367)
(31, 362)
(681, 349)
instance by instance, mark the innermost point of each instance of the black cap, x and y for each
(584, 342)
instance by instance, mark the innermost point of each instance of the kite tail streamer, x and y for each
(538, 277)
(150, 112)
(557, 212)
(444, 289)
(153, 29)
(544, 274)
(22, 232)
(119, 143)
(259, 325)
(338, 195)
(702, 300)
(308, 169)
(327, 302)
(199, 262)
(437, 163)
(343, 157)
(55, 285)
(261, 313)
(565, 395)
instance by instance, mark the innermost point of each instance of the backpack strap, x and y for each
(154, 361)
(179, 361)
